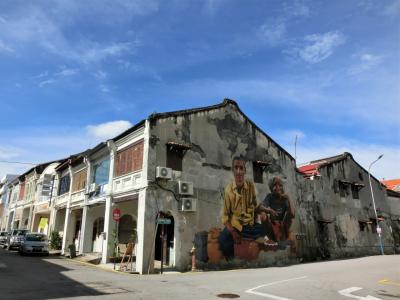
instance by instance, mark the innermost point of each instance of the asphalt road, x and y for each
(35, 277)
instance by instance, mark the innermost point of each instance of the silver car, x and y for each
(15, 238)
(3, 237)
(34, 242)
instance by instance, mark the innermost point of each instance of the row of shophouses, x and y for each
(176, 165)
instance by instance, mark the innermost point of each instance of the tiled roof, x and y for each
(311, 169)
(177, 113)
(392, 184)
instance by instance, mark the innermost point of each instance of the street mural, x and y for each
(251, 225)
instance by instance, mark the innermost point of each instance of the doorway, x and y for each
(166, 246)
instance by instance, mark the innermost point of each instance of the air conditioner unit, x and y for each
(185, 188)
(164, 173)
(187, 204)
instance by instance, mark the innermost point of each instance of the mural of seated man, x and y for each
(239, 211)
(277, 212)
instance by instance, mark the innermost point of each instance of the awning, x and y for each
(179, 145)
(125, 198)
(325, 221)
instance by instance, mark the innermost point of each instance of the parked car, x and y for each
(34, 242)
(3, 237)
(15, 238)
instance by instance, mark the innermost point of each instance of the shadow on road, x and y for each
(34, 278)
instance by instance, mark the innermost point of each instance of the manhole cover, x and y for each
(228, 296)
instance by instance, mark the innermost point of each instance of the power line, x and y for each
(17, 162)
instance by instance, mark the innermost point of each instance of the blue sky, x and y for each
(73, 73)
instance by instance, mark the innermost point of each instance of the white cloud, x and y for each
(212, 6)
(104, 88)
(67, 72)
(94, 52)
(296, 9)
(392, 9)
(9, 152)
(318, 47)
(100, 75)
(109, 129)
(5, 48)
(46, 82)
(139, 7)
(273, 32)
(366, 62)
(38, 29)
(41, 75)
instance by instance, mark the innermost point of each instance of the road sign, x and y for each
(378, 230)
(116, 214)
(164, 221)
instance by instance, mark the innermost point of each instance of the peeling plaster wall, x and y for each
(394, 205)
(216, 137)
(335, 219)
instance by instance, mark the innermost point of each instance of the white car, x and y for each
(14, 238)
(34, 242)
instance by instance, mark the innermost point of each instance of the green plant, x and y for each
(133, 237)
(55, 240)
(114, 242)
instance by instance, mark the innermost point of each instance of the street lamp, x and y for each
(378, 228)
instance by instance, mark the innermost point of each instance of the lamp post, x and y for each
(378, 228)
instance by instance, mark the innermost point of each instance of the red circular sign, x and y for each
(116, 214)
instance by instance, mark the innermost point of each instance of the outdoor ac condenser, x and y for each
(185, 188)
(164, 173)
(187, 204)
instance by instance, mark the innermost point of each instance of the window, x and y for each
(129, 159)
(342, 189)
(258, 170)
(65, 182)
(79, 181)
(174, 158)
(101, 172)
(360, 176)
(362, 225)
(21, 191)
(47, 184)
(354, 192)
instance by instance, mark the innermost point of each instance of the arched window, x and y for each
(125, 230)
(98, 227)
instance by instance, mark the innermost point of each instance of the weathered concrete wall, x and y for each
(336, 220)
(394, 206)
(216, 137)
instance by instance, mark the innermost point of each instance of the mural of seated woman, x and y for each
(277, 212)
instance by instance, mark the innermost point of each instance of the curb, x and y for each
(99, 267)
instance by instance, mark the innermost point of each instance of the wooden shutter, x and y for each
(21, 191)
(79, 181)
(129, 159)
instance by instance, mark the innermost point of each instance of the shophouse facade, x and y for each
(338, 209)
(167, 176)
(5, 197)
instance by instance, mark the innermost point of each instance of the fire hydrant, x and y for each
(193, 253)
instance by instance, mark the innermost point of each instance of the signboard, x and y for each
(116, 214)
(43, 224)
(164, 221)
